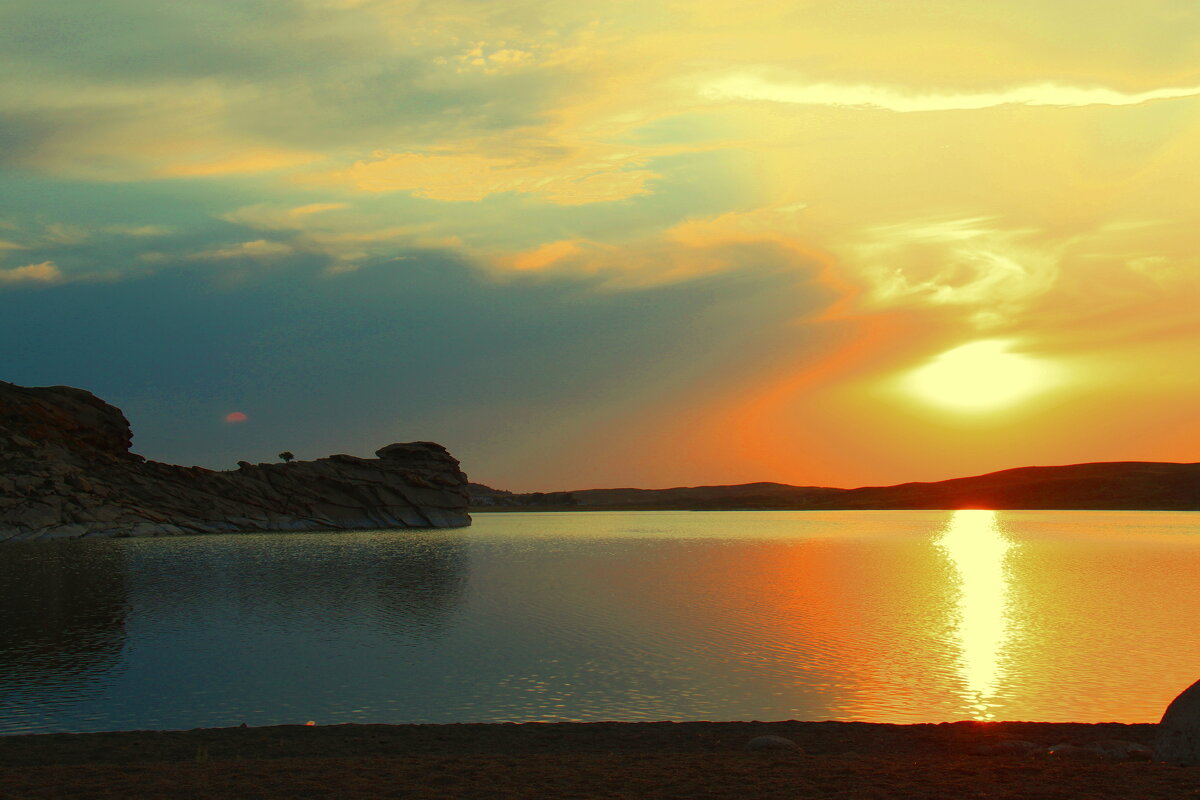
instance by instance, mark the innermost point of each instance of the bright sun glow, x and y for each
(977, 549)
(980, 376)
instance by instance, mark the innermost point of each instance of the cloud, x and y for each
(258, 249)
(44, 273)
(499, 59)
(139, 231)
(748, 86)
(239, 161)
(268, 217)
(315, 208)
(348, 239)
(61, 233)
(469, 177)
(545, 255)
(694, 249)
(972, 263)
(133, 91)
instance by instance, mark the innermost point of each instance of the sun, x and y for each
(979, 377)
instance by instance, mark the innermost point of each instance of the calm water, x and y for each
(880, 616)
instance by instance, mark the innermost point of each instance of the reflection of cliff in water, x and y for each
(62, 613)
(419, 593)
(409, 583)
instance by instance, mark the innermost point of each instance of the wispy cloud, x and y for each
(139, 231)
(749, 86)
(257, 249)
(471, 177)
(694, 249)
(60, 233)
(268, 217)
(247, 161)
(975, 263)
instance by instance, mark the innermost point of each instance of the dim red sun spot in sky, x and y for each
(235, 416)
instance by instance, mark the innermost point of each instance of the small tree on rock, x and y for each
(287, 455)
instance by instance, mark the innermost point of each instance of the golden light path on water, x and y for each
(978, 550)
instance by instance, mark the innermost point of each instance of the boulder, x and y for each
(772, 744)
(66, 471)
(1120, 750)
(1179, 731)
(1069, 751)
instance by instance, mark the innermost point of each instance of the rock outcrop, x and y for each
(1179, 731)
(66, 472)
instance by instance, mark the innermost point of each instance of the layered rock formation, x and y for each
(66, 472)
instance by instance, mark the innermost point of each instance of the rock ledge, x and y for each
(66, 472)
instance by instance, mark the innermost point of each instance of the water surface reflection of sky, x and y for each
(978, 549)
(876, 616)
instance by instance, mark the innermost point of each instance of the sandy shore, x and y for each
(568, 760)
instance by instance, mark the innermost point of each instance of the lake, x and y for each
(881, 616)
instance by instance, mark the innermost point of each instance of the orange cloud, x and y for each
(44, 273)
(546, 255)
(649, 262)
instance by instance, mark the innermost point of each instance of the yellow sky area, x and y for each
(845, 416)
(1106, 407)
(980, 377)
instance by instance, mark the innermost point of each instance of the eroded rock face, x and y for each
(1179, 732)
(66, 472)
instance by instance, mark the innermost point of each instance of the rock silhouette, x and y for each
(1179, 731)
(66, 472)
(1141, 485)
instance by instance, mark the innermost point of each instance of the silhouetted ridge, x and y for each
(1133, 485)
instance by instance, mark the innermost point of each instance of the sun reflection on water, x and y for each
(977, 549)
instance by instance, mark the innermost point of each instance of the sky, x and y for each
(616, 243)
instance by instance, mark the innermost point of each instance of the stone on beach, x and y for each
(1179, 731)
(772, 743)
(1120, 750)
(1072, 751)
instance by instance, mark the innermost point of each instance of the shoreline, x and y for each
(646, 507)
(596, 759)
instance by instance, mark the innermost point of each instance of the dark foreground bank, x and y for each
(610, 760)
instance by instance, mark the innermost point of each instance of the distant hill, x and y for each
(1133, 485)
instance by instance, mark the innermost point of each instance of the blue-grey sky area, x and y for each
(611, 243)
(421, 348)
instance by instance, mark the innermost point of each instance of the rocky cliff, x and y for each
(66, 472)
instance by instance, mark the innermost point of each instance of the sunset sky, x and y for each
(615, 243)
